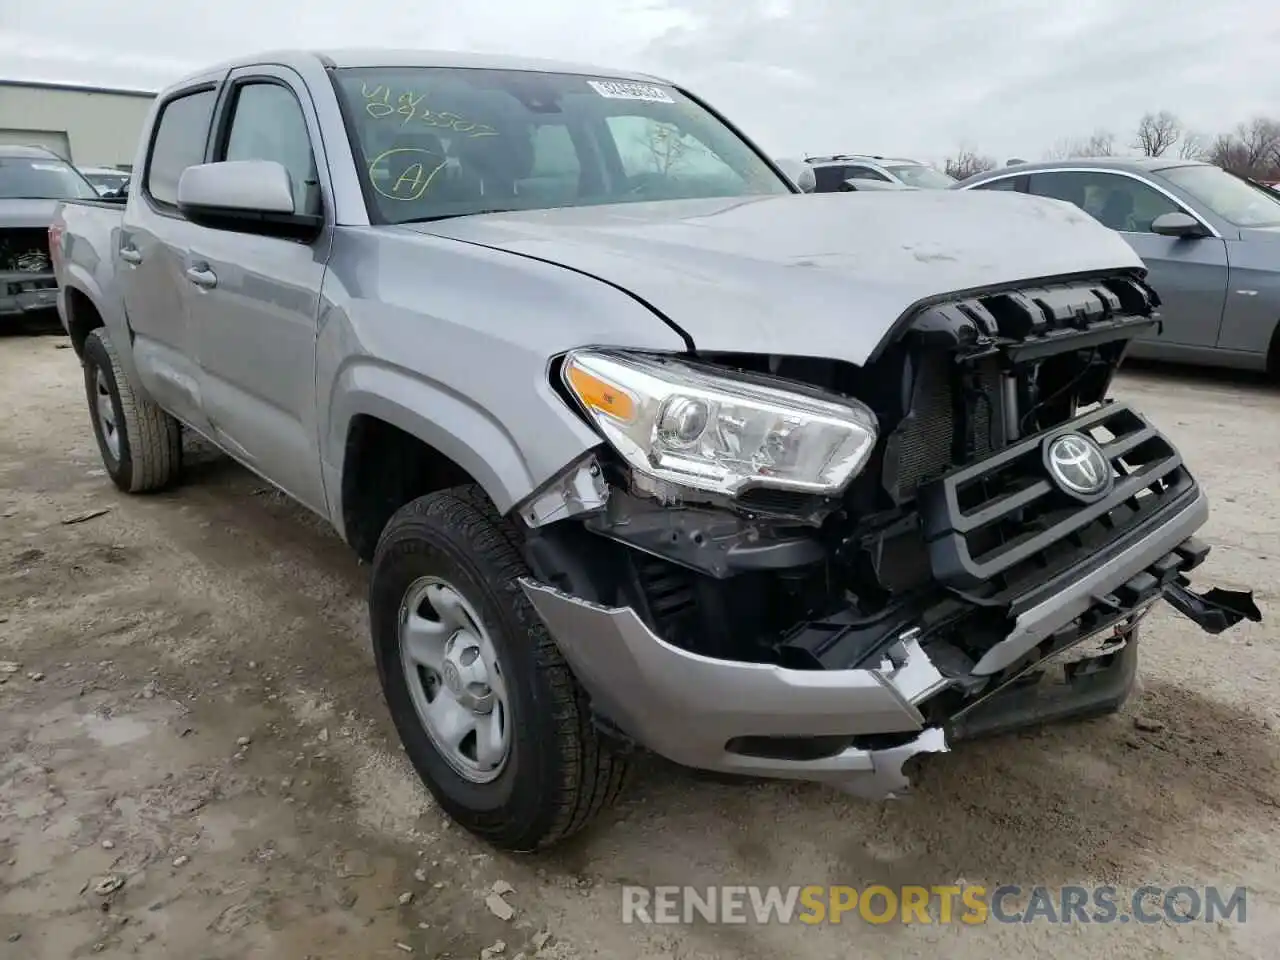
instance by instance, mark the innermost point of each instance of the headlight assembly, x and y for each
(689, 425)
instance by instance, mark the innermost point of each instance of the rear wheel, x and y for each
(141, 445)
(487, 709)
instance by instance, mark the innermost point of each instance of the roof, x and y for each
(35, 153)
(390, 57)
(76, 87)
(1131, 164)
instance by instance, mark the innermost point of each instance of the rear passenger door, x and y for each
(254, 300)
(151, 255)
(1190, 275)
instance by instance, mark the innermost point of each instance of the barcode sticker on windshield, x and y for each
(625, 90)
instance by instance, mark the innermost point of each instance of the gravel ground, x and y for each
(195, 760)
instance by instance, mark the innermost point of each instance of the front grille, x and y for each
(24, 250)
(955, 412)
(1002, 522)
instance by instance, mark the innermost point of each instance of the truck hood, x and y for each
(27, 213)
(824, 275)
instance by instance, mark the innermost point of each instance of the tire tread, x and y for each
(154, 437)
(593, 771)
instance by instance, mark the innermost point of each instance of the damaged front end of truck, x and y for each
(797, 567)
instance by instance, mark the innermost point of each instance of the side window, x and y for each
(1119, 202)
(1007, 183)
(267, 124)
(181, 131)
(828, 178)
(863, 173)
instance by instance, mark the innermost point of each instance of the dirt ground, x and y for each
(193, 719)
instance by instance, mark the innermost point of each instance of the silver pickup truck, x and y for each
(647, 447)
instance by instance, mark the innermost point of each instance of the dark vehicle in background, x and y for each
(33, 181)
(1210, 239)
(835, 173)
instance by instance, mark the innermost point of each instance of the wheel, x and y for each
(488, 712)
(141, 445)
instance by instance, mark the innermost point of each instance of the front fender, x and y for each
(457, 427)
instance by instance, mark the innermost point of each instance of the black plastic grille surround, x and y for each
(1001, 523)
(1021, 325)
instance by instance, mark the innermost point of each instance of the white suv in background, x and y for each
(833, 172)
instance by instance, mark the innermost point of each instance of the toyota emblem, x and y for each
(1078, 466)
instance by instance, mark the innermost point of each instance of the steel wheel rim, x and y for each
(107, 424)
(455, 680)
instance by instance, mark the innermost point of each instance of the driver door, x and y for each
(254, 300)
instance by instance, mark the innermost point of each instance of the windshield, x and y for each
(1232, 198)
(40, 178)
(436, 142)
(919, 175)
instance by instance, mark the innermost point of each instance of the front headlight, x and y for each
(690, 426)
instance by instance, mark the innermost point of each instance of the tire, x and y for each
(558, 770)
(141, 445)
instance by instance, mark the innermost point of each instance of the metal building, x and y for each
(90, 126)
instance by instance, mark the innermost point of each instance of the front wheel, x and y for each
(141, 445)
(488, 712)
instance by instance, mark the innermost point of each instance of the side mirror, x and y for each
(246, 196)
(1180, 225)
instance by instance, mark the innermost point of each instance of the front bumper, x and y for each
(689, 708)
(697, 711)
(25, 292)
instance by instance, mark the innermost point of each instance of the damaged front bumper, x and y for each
(864, 723)
(692, 709)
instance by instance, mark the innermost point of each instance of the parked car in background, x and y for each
(106, 180)
(641, 454)
(1210, 239)
(834, 172)
(32, 182)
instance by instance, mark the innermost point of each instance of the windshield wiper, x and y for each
(469, 213)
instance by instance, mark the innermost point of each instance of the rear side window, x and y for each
(864, 173)
(182, 128)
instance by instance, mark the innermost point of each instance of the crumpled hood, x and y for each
(823, 275)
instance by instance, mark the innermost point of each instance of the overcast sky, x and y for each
(1009, 77)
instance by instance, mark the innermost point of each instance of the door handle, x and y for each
(202, 277)
(130, 255)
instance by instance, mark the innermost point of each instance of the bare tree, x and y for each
(1157, 132)
(1251, 150)
(967, 162)
(1260, 138)
(1193, 147)
(1100, 143)
(665, 145)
